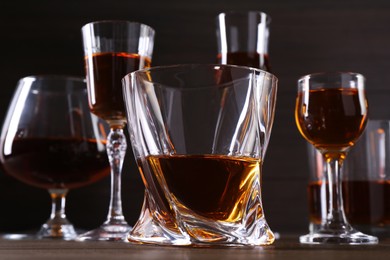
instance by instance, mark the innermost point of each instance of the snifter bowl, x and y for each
(50, 140)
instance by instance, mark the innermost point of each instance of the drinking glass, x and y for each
(51, 140)
(113, 49)
(199, 133)
(242, 39)
(331, 114)
(365, 184)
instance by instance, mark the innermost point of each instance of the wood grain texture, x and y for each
(43, 37)
(285, 248)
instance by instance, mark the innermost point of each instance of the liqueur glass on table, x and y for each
(331, 114)
(365, 184)
(199, 133)
(242, 39)
(113, 49)
(51, 140)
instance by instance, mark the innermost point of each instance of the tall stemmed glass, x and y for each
(51, 140)
(113, 49)
(242, 39)
(331, 113)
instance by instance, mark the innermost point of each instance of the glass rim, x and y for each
(196, 65)
(54, 77)
(113, 21)
(330, 73)
(53, 82)
(232, 12)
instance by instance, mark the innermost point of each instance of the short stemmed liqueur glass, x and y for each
(331, 114)
(51, 140)
(113, 49)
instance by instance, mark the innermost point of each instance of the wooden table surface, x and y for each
(285, 248)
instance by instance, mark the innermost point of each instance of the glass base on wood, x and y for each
(57, 231)
(47, 231)
(107, 232)
(17, 236)
(349, 237)
(194, 233)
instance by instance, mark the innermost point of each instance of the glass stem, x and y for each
(335, 218)
(58, 205)
(116, 150)
(58, 225)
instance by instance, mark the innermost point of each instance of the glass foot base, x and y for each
(63, 232)
(57, 231)
(19, 236)
(342, 237)
(106, 232)
(193, 233)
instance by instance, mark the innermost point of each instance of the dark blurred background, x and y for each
(43, 37)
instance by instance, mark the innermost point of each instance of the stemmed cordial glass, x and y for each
(51, 140)
(331, 114)
(113, 49)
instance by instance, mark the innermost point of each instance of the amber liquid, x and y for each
(250, 59)
(104, 81)
(331, 118)
(365, 202)
(56, 163)
(215, 187)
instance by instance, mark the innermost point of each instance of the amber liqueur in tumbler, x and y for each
(229, 181)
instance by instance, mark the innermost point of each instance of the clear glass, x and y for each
(51, 140)
(199, 135)
(113, 49)
(331, 114)
(366, 182)
(242, 39)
